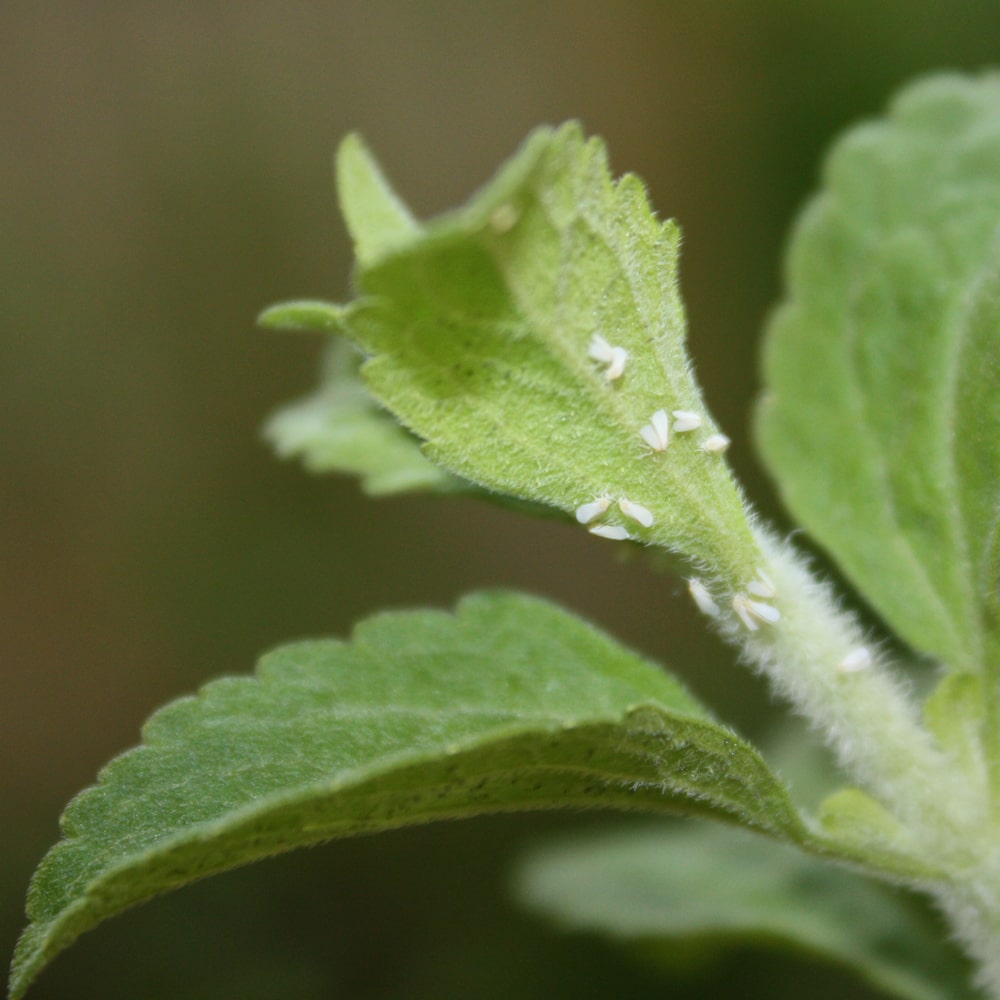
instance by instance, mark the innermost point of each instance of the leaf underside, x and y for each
(704, 889)
(340, 428)
(477, 328)
(508, 704)
(881, 417)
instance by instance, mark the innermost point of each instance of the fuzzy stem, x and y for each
(973, 909)
(866, 717)
(875, 727)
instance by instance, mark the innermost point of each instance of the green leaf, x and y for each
(340, 428)
(881, 417)
(852, 816)
(509, 704)
(956, 714)
(305, 314)
(691, 888)
(479, 325)
(376, 218)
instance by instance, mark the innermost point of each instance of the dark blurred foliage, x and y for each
(164, 174)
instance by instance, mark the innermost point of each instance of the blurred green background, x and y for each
(164, 174)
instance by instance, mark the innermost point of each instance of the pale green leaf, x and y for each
(694, 888)
(304, 314)
(509, 704)
(862, 829)
(852, 816)
(479, 326)
(881, 418)
(956, 714)
(340, 428)
(376, 218)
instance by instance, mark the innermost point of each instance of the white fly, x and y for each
(617, 366)
(763, 586)
(586, 512)
(857, 659)
(657, 432)
(613, 357)
(612, 531)
(701, 597)
(686, 420)
(600, 349)
(636, 511)
(751, 613)
(716, 444)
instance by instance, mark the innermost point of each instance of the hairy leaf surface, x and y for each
(881, 418)
(340, 428)
(705, 889)
(479, 327)
(509, 704)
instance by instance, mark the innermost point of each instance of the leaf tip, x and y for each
(376, 217)
(303, 315)
(29, 960)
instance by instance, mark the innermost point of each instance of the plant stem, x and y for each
(865, 716)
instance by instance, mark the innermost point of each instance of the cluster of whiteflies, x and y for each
(754, 608)
(656, 434)
(754, 604)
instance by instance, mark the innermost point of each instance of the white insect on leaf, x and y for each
(586, 512)
(701, 597)
(614, 357)
(600, 349)
(613, 531)
(859, 658)
(763, 586)
(754, 613)
(686, 420)
(741, 607)
(636, 512)
(657, 432)
(716, 444)
(617, 367)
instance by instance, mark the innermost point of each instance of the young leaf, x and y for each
(304, 314)
(377, 219)
(530, 337)
(956, 714)
(509, 704)
(340, 428)
(705, 887)
(881, 419)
